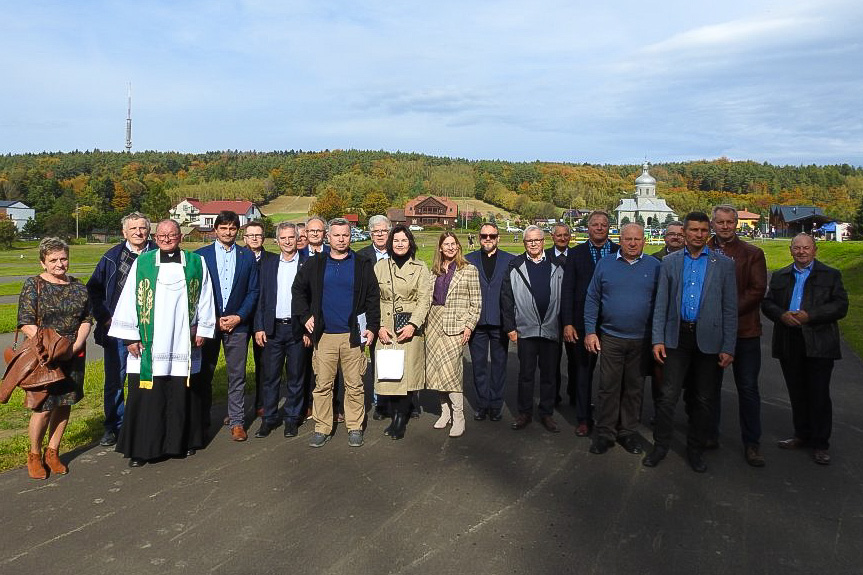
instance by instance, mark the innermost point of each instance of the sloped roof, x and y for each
(744, 215)
(12, 204)
(451, 207)
(796, 213)
(238, 206)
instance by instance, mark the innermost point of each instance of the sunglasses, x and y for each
(488, 236)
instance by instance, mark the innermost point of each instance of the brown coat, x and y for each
(751, 271)
(409, 289)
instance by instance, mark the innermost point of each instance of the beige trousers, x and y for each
(334, 351)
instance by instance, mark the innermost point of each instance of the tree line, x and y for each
(101, 186)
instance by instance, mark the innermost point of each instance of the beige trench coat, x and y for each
(409, 288)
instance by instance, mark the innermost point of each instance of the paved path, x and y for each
(493, 501)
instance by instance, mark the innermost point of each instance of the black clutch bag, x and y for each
(401, 319)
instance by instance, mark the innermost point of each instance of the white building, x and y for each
(16, 211)
(654, 211)
(193, 212)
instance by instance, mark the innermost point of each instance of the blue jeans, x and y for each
(115, 354)
(746, 367)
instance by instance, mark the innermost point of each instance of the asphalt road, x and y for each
(493, 501)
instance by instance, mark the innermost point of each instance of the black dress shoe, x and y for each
(265, 429)
(495, 413)
(291, 429)
(109, 438)
(600, 445)
(653, 458)
(480, 414)
(696, 460)
(136, 462)
(631, 444)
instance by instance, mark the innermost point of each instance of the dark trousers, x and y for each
(283, 354)
(746, 367)
(236, 345)
(808, 382)
(533, 351)
(705, 376)
(621, 383)
(257, 350)
(115, 355)
(580, 365)
(489, 381)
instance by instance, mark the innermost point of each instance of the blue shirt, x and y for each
(694, 271)
(597, 253)
(800, 277)
(226, 263)
(337, 301)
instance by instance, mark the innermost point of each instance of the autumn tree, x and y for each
(329, 204)
(376, 203)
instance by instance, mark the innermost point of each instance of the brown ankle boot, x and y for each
(35, 467)
(53, 462)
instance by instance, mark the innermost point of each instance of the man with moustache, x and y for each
(578, 272)
(105, 286)
(280, 336)
(488, 339)
(617, 317)
(694, 335)
(673, 240)
(163, 315)
(751, 274)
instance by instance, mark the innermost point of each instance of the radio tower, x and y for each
(129, 122)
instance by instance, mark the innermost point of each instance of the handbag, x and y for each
(390, 363)
(34, 365)
(400, 318)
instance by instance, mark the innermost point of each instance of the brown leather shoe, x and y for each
(35, 467)
(522, 420)
(53, 462)
(238, 433)
(753, 456)
(822, 457)
(549, 423)
(793, 443)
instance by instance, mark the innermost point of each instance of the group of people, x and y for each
(164, 315)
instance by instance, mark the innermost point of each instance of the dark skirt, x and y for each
(155, 420)
(68, 391)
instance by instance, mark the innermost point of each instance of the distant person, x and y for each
(57, 300)
(489, 344)
(233, 271)
(254, 238)
(617, 316)
(405, 287)
(316, 229)
(333, 322)
(805, 301)
(280, 336)
(164, 314)
(104, 287)
(302, 238)
(694, 334)
(455, 310)
(673, 240)
(578, 272)
(751, 275)
(530, 304)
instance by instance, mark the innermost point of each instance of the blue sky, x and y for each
(601, 82)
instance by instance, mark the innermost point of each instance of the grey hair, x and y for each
(379, 219)
(319, 218)
(172, 222)
(49, 245)
(338, 222)
(135, 216)
(532, 228)
(723, 208)
(285, 226)
(629, 225)
(561, 225)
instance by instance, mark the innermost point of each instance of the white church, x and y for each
(654, 211)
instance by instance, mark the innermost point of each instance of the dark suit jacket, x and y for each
(368, 252)
(244, 292)
(308, 289)
(716, 329)
(305, 250)
(265, 313)
(490, 289)
(577, 273)
(824, 299)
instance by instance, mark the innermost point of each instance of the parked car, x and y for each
(514, 230)
(415, 228)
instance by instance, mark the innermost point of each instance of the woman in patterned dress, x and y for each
(59, 301)
(456, 304)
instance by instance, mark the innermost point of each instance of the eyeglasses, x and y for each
(165, 237)
(488, 236)
(254, 236)
(534, 241)
(379, 232)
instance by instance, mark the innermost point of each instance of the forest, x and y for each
(103, 186)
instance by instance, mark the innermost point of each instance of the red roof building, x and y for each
(431, 211)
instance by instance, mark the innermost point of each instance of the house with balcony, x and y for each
(431, 211)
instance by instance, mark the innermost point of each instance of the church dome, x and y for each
(645, 178)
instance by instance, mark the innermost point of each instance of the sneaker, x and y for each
(109, 438)
(319, 439)
(355, 438)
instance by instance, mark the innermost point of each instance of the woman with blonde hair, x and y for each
(454, 313)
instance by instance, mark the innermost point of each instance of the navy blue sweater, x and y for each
(620, 297)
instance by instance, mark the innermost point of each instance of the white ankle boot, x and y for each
(445, 413)
(457, 400)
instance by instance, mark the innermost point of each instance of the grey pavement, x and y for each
(492, 501)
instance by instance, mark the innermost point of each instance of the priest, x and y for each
(163, 315)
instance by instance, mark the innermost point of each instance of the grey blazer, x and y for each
(716, 330)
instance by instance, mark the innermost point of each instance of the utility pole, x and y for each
(129, 121)
(76, 220)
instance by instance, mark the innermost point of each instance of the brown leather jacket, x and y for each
(751, 271)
